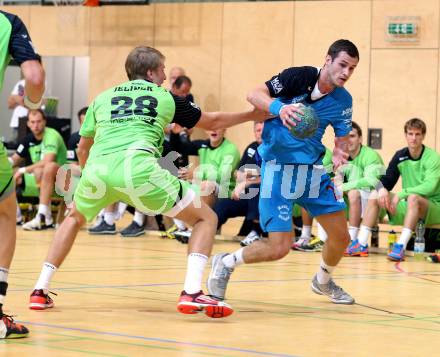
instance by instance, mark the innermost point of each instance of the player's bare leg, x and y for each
(338, 238)
(8, 328)
(192, 299)
(273, 248)
(60, 247)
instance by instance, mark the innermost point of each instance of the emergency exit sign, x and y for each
(406, 28)
(403, 28)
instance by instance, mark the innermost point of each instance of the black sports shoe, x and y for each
(133, 230)
(39, 222)
(183, 236)
(103, 228)
(10, 329)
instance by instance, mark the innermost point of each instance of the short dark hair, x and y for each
(82, 111)
(415, 123)
(343, 46)
(182, 80)
(356, 126)
(34, 111)
(140, 60)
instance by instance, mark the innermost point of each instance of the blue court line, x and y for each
(107, 286)
(180, 283)
(162, 340)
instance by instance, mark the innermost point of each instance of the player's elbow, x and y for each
(82, 154)
(250, 97)
(257, 94)
(35, 76)
(210, 121)
(218, 123)
(11, 102)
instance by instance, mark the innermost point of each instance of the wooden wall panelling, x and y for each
(23, 12)
(107, 68)
(189, 35)
(122, 26)
(333, 20)
(403, 86)
(257, 44)
(61, 30)
(428, 10)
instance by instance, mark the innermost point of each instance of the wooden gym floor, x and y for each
(117, 297)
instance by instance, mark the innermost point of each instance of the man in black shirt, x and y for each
(244, 200)
(72, 144)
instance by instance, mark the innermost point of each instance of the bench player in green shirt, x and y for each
(419, 168)
(15, 43)
(214, 177)
(43, 151)
(361, 176)
(121, 141)
(305, 243)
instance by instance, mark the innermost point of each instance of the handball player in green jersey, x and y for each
(121, 142)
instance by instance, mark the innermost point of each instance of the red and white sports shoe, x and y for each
(198, 302)
(40, 301)
(11, 329)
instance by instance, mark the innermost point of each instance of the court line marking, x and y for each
(337, 276)
(386, 311)
(161, 340)
(59, 348)
(103, 340)
(414, 275)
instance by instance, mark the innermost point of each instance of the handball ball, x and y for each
(307, 126)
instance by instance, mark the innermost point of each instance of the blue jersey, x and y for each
(295, 85)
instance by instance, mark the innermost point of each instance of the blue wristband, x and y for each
(275, 107)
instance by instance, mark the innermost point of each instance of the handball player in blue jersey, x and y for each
(292, 170)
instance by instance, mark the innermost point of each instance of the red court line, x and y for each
(415, 275)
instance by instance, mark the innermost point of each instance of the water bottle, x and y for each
(391, 240)
(375, 236)
(419, 243)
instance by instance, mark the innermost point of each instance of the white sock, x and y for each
(3, 278)
(194, 272)
(139, 218)
(306, 232)
(322, 234)
(4, 274)
(233, 259)
(405, 236)
(353, 231)
(44, 209)
(46, 274)
(324, 273)
(179, 224)
(364, 235)
(18, 214)
(121, 208)
(109, 218)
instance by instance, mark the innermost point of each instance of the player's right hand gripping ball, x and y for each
(308, 125)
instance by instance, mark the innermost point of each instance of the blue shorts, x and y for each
(283, 185)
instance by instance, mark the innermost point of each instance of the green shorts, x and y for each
(6, 175)
(296, 211)
(432, 217)
(30, 186)
(133, 177)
